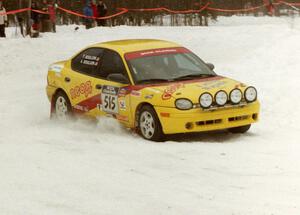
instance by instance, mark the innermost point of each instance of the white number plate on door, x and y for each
(109, 98)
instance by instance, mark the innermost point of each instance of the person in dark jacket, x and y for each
(3, 20)
(88, 11)
(35, 17)
(102, 11)
(35, 20)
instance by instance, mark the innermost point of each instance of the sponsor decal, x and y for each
(122, 118)
(149, 96)
(240, 85)
(122, 92)
(99, 106)
(81, 108)
(82, 89)
(87, 104)
(155, 52)
(211, 85)
(111, 90)
(135, 93)
(122, 104)
(56, 68)
(170, 90)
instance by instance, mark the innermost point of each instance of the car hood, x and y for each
(192, 89)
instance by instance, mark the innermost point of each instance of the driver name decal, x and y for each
(90, 60)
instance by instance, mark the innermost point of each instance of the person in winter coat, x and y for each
(270, 7)
(35, 20)
(3, 20)
(44, 8)
(88, 11)
(35, 17)
(94, 8)
(52, 14)
(45, 18)
(102, 11)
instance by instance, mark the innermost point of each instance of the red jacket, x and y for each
(51, 11)
(95, 11)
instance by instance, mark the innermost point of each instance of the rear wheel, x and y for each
(62, 106)
(149, 124)
(240, 129)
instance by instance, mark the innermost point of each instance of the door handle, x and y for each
(98, 86)
(67, 79)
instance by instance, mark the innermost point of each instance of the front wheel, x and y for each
(62, 106)
(149, 124)
(240, 129)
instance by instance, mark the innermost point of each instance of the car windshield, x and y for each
(166, 66)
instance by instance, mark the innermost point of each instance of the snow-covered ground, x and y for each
(81, 168)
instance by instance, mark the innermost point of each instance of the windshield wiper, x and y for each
(153, 80)
(191, 76)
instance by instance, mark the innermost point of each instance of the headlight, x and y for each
(236, 96)
(183, 104)
(221, 98)
(250, 94)
(206, 100)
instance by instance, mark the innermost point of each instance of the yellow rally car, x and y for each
(157, 87)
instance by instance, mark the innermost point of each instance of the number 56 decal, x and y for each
(109, 98)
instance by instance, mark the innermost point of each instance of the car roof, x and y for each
(133, 45)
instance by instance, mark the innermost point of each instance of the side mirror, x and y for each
(211, 66)
(118, 77)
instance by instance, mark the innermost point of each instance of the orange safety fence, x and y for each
(126, 10)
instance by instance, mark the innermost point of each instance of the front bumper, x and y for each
(196, 120)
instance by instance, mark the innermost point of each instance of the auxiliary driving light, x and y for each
(206, 100)
(236, 96)
(221, 98)
(250, 94)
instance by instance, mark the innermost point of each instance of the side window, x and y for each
(87, 61)
(111, 64)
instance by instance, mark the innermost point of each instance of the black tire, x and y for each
(240, 129)
(149, 126)
(62, 109)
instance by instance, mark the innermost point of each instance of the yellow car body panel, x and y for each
(86, 99)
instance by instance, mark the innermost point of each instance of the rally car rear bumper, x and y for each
(196, 120)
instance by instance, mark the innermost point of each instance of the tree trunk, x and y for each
(28, 26)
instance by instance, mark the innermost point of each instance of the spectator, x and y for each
(35, 17)
(3, 20)
(88, 11)
(51, 11)
(45, 9)
(35, 21)
(45, 23)
(270, 7)
(102, 11)
(94, 8)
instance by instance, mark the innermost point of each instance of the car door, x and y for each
(81, 81)
(112, 77)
